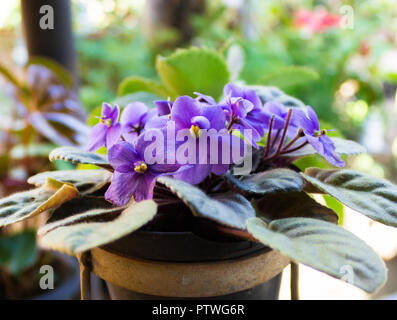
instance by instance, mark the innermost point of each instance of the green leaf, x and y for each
(64, 75)
(76, 155)
(376, 198)
(230, 209)
(18, 251)
(290, 76)
(86, 181)
(325, 247)
(27, 204)
(136, 84)
(193, 70)
(84, 236)
(272, 181)
(293, 204)
(270, 93)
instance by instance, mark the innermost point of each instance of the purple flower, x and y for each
(245, 111)
(133, 175)
(134, 118)
(108, 131)
(163, 107)
(188, 113)
(318, 139)
(280, 112)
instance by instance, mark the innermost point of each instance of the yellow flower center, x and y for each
(140, 168)
(195, 130)
(106, 122)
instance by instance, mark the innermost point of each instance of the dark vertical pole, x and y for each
(49, 36)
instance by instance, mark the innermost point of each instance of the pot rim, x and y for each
(193, 279)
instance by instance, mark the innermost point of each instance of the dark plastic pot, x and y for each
(181, 265)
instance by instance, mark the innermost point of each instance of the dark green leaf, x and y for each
(376, 198)
(272, 181)
(325, 247)
(293, 204)
(230, 209)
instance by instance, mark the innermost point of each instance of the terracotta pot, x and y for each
(182, 265)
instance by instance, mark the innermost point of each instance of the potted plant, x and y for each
(199, 197)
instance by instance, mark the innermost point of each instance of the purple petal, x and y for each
(106, 110)
(113, 135)
(201, 122)
(163, 107)
(202, 98)
(132, 113)
(97, 137)
(121, 188)
(195, 174)
(183, 110)
(122, 153)
(216, 116)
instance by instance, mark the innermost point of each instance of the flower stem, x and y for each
(269, 136)
(298, 135)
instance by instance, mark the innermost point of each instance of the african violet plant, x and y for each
(221, 168)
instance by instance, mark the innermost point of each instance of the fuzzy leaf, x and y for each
(193, 70)
(84, 236)
(325, 247)
(82, 209)
(27, 204)
(86, 181)
(376, 198)
(230, 209)
(272, 181)
(293, 204)
(136, 84)
(76, 155)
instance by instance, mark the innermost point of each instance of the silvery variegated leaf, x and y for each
(271, 181)
(86, 181)
(27, 204)
(229, 209)
(325, 247)
(76, 155)
(376, 198)
(81, 236)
